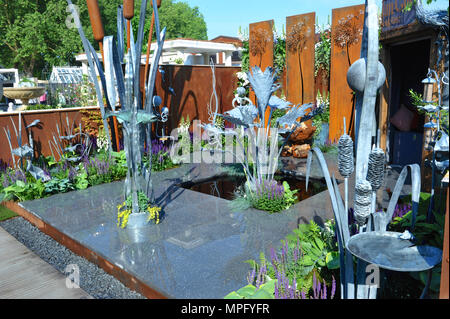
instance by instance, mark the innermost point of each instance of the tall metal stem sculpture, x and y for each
(136, 114)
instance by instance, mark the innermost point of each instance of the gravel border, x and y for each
(94, 280)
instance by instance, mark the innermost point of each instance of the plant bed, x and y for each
(225, 186)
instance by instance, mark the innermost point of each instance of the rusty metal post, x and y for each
(149, 43)
(128, 13)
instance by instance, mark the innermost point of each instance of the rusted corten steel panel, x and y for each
(300, 52)
(261, 49)
(346, 37)
(192, 87)
(41, 134)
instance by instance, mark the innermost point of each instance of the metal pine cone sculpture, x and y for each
(375, 172)
(346, 164)
(363, 200)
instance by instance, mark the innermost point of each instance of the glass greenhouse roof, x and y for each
(66, 75)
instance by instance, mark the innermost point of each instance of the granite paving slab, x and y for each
(199, 248)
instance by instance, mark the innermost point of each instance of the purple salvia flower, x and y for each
(294, 288)
(333, 288)
(315, 291)
(276, 291)
(303, 295)
(251, 276)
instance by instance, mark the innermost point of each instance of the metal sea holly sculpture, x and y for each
(374, 246)
(135, 114)
(260, 159)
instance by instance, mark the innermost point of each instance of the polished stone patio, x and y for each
(199, 248)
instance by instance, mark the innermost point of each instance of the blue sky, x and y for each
(223, 17)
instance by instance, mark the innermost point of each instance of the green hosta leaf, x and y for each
(332, 260)
(269, 286)
(233, 295)
(246, 291)
(262, 294)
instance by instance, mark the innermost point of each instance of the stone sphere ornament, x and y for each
(356, 75)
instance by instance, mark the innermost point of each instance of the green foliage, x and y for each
(24, 191)
(417, 100)
(180, 20)
(265, 291)
(323, 52)
(409, 5)
(425, 233)
(277, 113)
(275, 204)
(307, 252)
(245, 64)
(58, 185)
(162, 162)
(143, 201)
(34, 34)
(279, 55)
(178, 61)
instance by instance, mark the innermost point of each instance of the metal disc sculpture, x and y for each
(374, 244)
(135, 115)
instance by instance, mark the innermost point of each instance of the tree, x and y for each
(180, 20)
(34, 33)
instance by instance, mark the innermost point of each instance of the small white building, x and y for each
(187, 52)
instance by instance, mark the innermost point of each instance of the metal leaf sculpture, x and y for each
(296, 112)
(263, 85)
(279, 104)
(242, 115)
(263, 141)
(136, 115)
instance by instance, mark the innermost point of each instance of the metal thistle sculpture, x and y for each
(373, 245)
(135, 114)
(251, 120)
